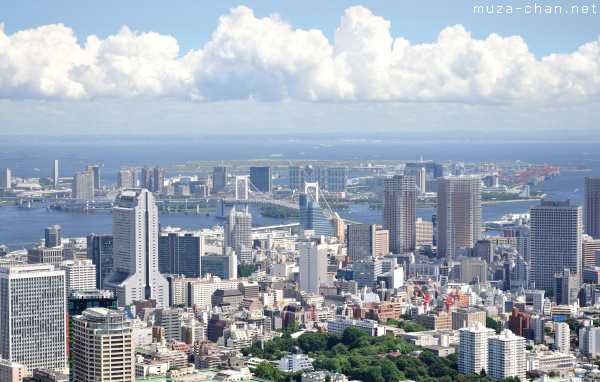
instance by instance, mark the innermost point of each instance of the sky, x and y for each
(222, 67)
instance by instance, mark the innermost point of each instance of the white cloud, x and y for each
(265, 59)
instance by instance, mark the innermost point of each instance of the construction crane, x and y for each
(426, 298)
(449, 301)
(522, 259)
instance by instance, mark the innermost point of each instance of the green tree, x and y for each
(351, 334)
(492, 324)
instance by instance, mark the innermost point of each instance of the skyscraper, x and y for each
(473, 348)
(135, 274)
(126, 178)
(158, 180)
(399, 200)
(366, 241)
(219, 178)
(312, 216)
(458, 213)
(83, 186)
(180, 253)
(33, 316)
(592, 207)
(113, 358)
(262, 178)
(337, 179)
(55, 173)
(237, 230)
(506, 356)
(5, 178)
(555, 241)
(313, 266)
(100, 250)
(52, 236)
(79, 275)
(146, 180)
(95, 169)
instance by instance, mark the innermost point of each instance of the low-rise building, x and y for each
(294, 362)
(372, 328)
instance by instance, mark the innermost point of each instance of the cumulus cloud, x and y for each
(265, 59)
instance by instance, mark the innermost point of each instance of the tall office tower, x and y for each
(399, 200)
(158, 180)
(366, 241)
(5, 178)
(135, 274)
(337, 179)
(237, 230)
(589, 248)
(592, 207)
(295, 175)
(313, 266)
(113, 357)
(52, 236)
(506, 356)
(432, 172)
(170, 320)
(146, 179)
(219, 178)
(79, 275)
(562, 334)
(33, 314)
(126, 178)
(522, 271)
(83, 186)
(458, 213)
(55, 173)
(312, 216)
(419, 174)
(180, 253)
(100, 250)
(94, 169)
(367, 271)
(217, 265)
(555, 241)
(79, 301)
(473, 348)
(262, 178)
(566, 287)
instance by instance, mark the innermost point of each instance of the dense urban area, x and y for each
(315, 296)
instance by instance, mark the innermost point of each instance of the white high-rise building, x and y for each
(80, 275)
(458, 213)
(313, 266)
(135, 274)
(399, 200)
(506, 356)
(237, 230)
(556, 229)
(561, 337)
(33, 311)
(5, 178)
(473, 348)
(55, 173)
(83, 186)
(589, 339)
(112, 357)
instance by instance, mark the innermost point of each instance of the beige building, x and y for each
(466, 317)
(366, 241)
(103, 346)
(424, 232)
(12, 371)
(435, 321)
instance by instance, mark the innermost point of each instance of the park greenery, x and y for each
(278, 212)
(353, 353)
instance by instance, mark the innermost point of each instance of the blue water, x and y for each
(22, 227)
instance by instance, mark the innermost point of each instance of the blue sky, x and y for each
(280, 66)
